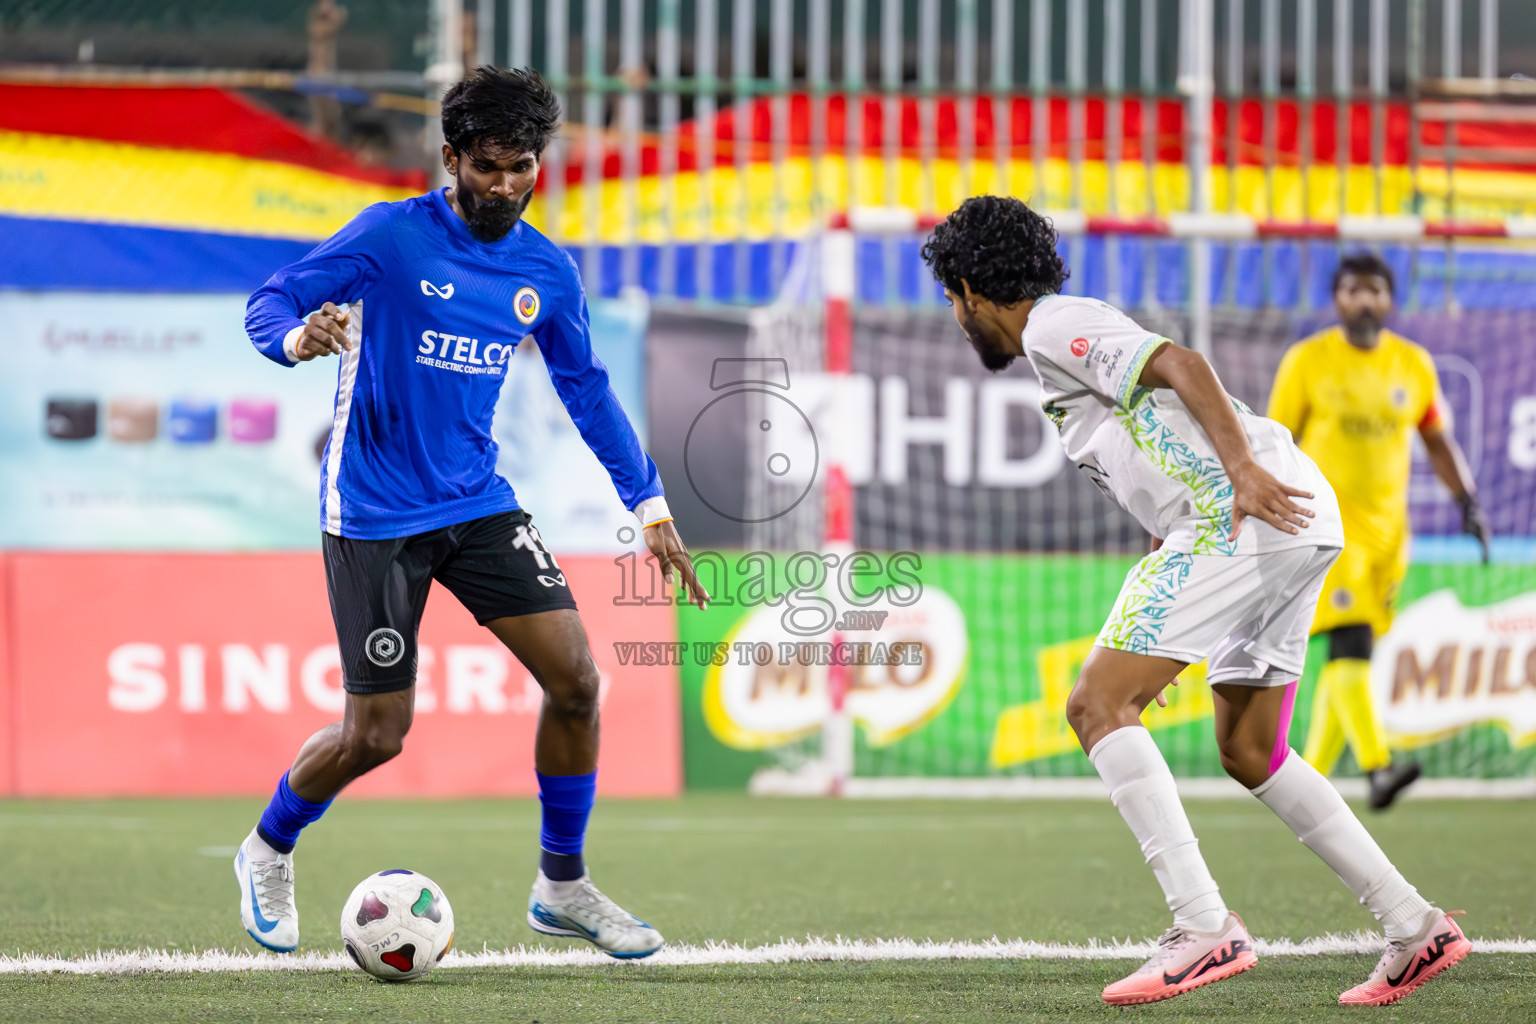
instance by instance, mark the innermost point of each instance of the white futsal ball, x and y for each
(397, 925)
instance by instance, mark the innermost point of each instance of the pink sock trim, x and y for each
(1283, 730)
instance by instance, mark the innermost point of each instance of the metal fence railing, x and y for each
(706, 136)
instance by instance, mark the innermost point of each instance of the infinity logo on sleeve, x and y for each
(445, 292)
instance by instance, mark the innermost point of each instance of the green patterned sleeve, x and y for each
(1130, 389)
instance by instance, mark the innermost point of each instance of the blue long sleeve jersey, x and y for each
(434, 317)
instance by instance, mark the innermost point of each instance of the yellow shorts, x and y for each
(1361, 588)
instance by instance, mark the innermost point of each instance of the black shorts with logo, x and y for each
(496, 566)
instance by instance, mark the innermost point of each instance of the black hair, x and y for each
(511, 108)
(1364, 264)
(1004, 250)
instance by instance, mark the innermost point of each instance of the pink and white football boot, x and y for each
(1407, 965)
(1186, 960)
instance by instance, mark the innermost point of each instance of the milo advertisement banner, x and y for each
(959, 666)
(1455, 678)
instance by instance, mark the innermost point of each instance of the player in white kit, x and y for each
(1245, 528)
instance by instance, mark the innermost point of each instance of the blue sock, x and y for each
(286, 816)
(567, 801)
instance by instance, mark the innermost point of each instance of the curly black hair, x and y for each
(1364, 264)
(512, 109)
(1004, 250)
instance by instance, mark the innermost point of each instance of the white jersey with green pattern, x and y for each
(1144, 449)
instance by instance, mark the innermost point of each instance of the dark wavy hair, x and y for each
(512, 109)
(1364, 264)
(1002, 248)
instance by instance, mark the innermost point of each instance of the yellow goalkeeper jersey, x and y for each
(1354, 411)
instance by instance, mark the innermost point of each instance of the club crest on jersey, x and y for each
(525, 304)
(385, 647)
(428, 288)
(1079, 346)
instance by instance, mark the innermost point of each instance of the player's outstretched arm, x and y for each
(1450, 465)
(672, 555)
(1255, 492)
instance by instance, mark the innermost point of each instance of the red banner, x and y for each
(202, 674)
(870, 127)
(7, 659)
(198, 118)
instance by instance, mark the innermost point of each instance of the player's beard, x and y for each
(489, 220)
(1363, 326)
(992, 357)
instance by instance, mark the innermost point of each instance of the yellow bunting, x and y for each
(76, 179)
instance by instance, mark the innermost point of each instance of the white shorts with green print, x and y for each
(1250, 615)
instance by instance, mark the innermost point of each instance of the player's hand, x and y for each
(1473, 521)
(1162, 695)
(1256, 493)
(676, 566)
(325, 333)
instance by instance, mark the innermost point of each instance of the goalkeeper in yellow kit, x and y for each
(1352, 396)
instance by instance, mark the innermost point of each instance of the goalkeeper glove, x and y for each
(1474, 522)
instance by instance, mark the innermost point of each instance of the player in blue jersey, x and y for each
(425, 300)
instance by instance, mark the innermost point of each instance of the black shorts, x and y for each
(496, 566)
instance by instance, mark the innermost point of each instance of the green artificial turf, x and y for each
(122, 875)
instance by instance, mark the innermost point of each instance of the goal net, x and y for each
(1019, 558)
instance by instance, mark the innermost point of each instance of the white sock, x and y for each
(1142, 790)
(558, 892)
(1313, 809)
(260, 849)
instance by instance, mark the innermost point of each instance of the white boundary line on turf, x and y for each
(812, 950)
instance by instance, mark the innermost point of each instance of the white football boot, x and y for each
(1185, 960)
(578, 909)
(267, 908)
